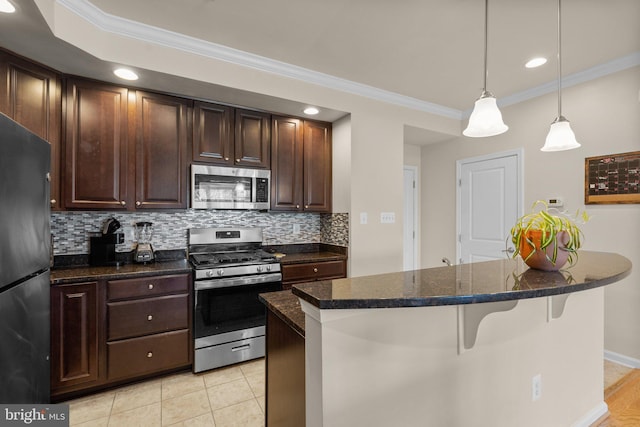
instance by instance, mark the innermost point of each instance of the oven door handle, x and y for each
(200, 285)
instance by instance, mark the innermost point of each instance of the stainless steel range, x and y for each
(230, 270)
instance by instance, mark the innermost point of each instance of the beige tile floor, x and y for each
(226, 397)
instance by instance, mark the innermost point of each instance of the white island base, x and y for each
(410, 366)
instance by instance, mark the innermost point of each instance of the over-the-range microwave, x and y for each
(216, 187)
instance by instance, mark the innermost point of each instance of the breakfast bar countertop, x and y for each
(286, 306)
(490, 281)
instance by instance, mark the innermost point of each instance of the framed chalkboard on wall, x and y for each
(614, 178)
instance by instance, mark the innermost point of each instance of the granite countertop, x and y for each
(490, 281)
(78, 274)
(308, 252)
(299, 258)
(286, 306)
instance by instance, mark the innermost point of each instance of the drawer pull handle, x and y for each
(149, 355)
(241, 347)
(149, 317)
(315, 269)
(150, 286)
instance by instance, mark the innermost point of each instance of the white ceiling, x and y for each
(428, 50)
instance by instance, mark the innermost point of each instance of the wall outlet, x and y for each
(387, 217)
(296, 228)
(364, 218)
(536, 387)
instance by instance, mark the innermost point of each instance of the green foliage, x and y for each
(550, 222)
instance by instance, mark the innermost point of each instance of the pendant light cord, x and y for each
(559, 61)
(486, 24)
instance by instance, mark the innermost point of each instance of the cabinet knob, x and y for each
(150, 355)
(123, 203)
(315, 269)
(150, 317)
(226, 159)
(150, 286)
(297, 206)
(138, 203)
(306, 206)
(237, 160)
(53, 202)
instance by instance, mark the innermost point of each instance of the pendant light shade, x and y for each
(560, 136)
(485, 119)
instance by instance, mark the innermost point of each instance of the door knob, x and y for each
(509, 250)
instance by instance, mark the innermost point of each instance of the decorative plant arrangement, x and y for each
(546, 238)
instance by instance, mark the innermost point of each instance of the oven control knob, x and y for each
(268, 268)
(259, 268)
(220, 272)
(210, 273)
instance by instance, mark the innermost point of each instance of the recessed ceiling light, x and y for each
(535, 62)
(126, 74)
(6, 6)
(311, 111)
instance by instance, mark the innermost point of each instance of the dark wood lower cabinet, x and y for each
(285, 375)
(139, 356)
(75, 315)
(108, 332)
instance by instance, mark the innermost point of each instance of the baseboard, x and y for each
(592, 416)
(622, 359)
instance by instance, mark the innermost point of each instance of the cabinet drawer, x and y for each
(147, 286)
(295, 273)
(137, 356)
(147, 316)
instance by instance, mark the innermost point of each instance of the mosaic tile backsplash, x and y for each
(71, 230)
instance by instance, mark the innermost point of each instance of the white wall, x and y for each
(605, 115)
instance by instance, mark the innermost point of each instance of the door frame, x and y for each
(519, 154)
(416, 202)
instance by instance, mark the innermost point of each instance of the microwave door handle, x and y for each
(254, 189)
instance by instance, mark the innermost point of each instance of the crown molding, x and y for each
(611, 67)
(150, 34)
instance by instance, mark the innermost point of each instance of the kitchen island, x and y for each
(490, 343)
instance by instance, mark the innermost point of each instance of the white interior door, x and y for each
(490, 199)
(410, 219)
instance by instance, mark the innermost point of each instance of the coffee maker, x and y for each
(143, 252)
(102, 247)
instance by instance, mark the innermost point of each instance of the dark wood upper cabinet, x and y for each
(317, 167)
(161, 151)
(286, 164)
(96, 146)
(301, 165)
(31, 95)
(252, 139)
(213, 133)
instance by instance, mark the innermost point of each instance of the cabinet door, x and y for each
(30, 95)
(286, 164)
(74, 336)
(161, 151)
(95, 146)
(213, 133)
(317, 167)
(253, 139)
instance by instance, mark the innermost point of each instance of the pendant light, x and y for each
(560, 136)
(485, 119)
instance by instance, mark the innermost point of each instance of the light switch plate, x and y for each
(387, 217)
(363, 218)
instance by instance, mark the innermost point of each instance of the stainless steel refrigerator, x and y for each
(24, 265)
